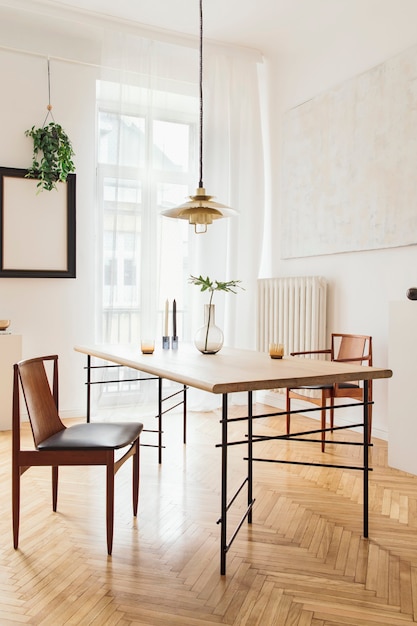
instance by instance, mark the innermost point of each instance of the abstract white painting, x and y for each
(350, 164)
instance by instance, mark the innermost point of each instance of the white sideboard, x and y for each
(402, 403)
(10, 353)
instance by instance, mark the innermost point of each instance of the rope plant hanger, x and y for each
(200, 210)
(52, 150)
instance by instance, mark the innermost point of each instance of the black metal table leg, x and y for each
(223, 517)
(184, 414)
(159, 420)
(88, 388)
(365, 458)
(250, 453)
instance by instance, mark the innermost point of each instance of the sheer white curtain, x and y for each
(234, 173)
(147, 130)
(148, 160)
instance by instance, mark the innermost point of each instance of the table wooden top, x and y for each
(232, 370)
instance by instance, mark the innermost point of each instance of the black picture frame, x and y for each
(37, 228)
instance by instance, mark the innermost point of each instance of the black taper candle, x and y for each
(174, 319)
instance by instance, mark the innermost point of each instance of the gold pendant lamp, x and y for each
(200, 210)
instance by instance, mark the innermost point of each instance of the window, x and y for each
(146, 163)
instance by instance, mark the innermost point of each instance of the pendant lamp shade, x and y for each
(200, 210)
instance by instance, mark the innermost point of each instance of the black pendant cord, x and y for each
(49, 106)
(201, 94)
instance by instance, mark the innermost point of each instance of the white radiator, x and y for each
(292, 311)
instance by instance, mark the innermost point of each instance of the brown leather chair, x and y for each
(56, 444)
(344, 348)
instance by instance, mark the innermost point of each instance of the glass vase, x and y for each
(209, 338)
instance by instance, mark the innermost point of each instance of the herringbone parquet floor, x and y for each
(302, 561)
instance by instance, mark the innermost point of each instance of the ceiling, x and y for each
(271, 26)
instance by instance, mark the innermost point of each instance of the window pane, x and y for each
(121, 190)
(129, 272)
(108, 240)
(110, 271)
(129, 241)
(121, 139)
(171, 146)
(171, 194)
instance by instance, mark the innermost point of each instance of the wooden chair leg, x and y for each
(135, 480)
(16, 504)
(54, 488)
(110, 503)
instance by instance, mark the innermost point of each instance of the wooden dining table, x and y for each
(234, 370)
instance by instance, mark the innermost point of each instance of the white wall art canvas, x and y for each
(350, 164)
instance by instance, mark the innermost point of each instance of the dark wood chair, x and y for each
(56, 444)
(344, 348)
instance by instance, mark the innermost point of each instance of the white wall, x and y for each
(52, 315)
(362, 284)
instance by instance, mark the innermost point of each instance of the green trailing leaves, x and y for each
(52, 155)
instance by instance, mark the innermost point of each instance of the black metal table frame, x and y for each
(161, 400)
(249, 441)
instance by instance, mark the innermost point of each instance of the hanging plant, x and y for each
(52, 151)
(52, 155)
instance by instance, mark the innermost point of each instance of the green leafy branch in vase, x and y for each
(206, 284)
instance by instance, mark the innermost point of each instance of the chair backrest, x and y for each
(352, 348)
(41, 401)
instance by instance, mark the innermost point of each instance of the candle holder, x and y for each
(276, 350)
(165, 342)
(174, 343)
(147, 346)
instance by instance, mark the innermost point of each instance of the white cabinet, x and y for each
(10, 353)
(402, 403)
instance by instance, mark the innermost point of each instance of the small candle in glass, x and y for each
(147, 346)
(276, 350)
